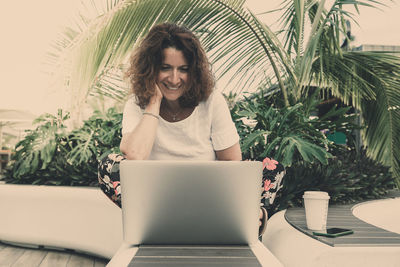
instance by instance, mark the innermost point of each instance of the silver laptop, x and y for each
(190, 202)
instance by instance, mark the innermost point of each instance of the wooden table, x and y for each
(342, 217)
(253, 255)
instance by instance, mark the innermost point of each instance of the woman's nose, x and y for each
(174, 77)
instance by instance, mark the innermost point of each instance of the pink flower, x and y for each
(267, 185)
(270, 164)
(117, 189)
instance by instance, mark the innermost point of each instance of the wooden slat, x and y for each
(54, 258)
(14, 256)
(195, 251)
(9, 255)
(210, 262)
(80, 261)
(194, 256)
(100, 262)
(30, 258)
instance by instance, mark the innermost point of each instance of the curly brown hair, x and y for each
(146, 62)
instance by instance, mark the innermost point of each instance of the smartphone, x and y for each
(334, 232)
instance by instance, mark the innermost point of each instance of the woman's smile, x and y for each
(172, 87)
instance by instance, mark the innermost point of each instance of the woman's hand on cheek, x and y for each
(155, 101)
(158, 95)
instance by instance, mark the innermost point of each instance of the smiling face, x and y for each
(173, 76)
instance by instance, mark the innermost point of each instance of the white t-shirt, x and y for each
(208, 129)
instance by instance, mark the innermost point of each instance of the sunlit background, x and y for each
(28, 27)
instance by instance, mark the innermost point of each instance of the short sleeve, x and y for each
(223, 129)
(131, 116)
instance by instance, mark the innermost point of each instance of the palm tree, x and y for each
(241, 46)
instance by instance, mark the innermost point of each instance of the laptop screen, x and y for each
(190, 202)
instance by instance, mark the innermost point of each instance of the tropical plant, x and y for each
(288, 134)
(36, 151)
(240, 45)
(285, 134)
(349, 177)
(51, 155)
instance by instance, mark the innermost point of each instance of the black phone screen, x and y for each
(333, 231)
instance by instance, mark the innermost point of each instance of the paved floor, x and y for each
(29, 257)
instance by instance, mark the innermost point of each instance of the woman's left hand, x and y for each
(263, 221)
(261, 217)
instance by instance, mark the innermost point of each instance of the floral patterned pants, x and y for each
(108, 175)
(109, 181)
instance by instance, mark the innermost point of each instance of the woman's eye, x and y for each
(164, 67)
(184, 69)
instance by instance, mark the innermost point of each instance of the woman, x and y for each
(174, 113)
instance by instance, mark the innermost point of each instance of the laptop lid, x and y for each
(190, 202)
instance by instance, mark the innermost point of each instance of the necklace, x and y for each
(174, 115)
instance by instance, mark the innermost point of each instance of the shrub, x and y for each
(285, 134)
(348, 177)
(297, 140)
(288, 134)
(50, 155)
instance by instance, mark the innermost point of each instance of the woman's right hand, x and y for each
(155, 101)
(138, 144)
(158, 96)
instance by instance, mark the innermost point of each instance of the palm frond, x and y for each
(382, 116)
(225, 28)
(246, 50)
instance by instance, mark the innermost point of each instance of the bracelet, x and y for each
(151, 114)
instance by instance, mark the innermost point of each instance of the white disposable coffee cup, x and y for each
(316, 206)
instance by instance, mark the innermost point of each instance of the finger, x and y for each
(157, 88)
(158, 91)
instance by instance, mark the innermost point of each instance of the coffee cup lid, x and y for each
(316, 194)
